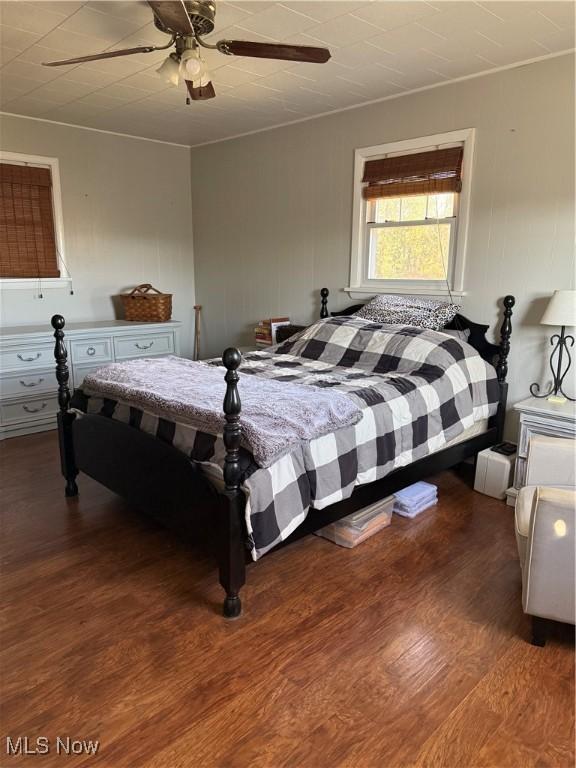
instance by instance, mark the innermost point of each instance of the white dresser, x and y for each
(28, 387)
(539, 417)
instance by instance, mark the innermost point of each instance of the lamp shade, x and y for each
(561, 309)
(169, 70)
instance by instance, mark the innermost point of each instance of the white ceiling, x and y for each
(379, 48)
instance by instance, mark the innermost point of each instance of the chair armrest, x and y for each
(548, 588)
(551, 461)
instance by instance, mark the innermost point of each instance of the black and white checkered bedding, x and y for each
(418, 389)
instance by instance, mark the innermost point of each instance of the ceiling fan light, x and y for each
(192, 65)
(169, 70)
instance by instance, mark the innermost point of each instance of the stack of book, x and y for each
(414, 499)
(359, 526)
(265, 331)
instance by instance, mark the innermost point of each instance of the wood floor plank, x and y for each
(409, 650)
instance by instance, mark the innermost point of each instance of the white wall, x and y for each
(126, 208)
(272, 211)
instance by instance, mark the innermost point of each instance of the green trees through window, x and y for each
(410, 238)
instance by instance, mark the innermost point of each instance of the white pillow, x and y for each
(409, 310)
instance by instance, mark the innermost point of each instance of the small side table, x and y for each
(539, 417)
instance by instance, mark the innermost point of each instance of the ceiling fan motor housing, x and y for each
(201, 14)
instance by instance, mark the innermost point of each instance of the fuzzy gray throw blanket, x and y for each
(275, 417)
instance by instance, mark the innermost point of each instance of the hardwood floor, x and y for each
(410, 650)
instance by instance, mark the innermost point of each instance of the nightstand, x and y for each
(539, 417)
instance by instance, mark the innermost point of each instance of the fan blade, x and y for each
(274, 51)
(98, 56)
(202, 93)
(173, 16)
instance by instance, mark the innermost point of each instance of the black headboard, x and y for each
(496, 354)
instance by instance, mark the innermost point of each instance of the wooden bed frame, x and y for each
(158, 479)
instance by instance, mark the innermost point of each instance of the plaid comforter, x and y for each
(417, 390)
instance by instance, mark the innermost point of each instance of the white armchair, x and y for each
(545, 531)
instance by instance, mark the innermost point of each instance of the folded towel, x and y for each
(413, 504)
(414, 499)
(403, 512)
(413, 494)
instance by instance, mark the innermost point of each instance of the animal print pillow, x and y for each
(409, 310)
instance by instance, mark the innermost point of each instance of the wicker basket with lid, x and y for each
(147, 304)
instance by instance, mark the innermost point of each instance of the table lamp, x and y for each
(561, 311)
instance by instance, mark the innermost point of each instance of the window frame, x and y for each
(360, 282)
(64, 281)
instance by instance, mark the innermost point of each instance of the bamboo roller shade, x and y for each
(27, 236)
(423, 173)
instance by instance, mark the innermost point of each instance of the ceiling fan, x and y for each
(187, 21)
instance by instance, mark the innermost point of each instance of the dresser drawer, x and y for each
(92, 351)
(530, 426)
(28, 384)
(32, 409)
(31, 356)
(143, 346)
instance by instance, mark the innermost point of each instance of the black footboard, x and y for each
(155, 476)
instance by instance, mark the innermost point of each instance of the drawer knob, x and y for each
(143, 346)
(91, 351)
(31, 383)
(34, 410)
(29, 359)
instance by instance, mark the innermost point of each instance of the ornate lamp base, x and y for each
(563, 343)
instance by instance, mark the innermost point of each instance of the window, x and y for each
(410, 216)
(30, 220)
(411, 238)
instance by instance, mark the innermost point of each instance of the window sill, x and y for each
(361, 291)
(32, 283)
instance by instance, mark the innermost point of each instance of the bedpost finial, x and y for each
(505, 333)
(324, 293)
(231, 358)
(61, 358)
(232, 430)
(65, 417)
